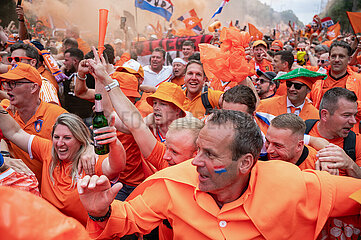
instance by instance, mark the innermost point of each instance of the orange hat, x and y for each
(169, 92)
(259, 42)
(21, 71)
(133, 67)
(128, 83)
(277, 45)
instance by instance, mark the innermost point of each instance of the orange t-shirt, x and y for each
(41, 124)
(264, 66)
(156, 157)
(310, 160)
(339, 142)
(62, 193)
(196, 107)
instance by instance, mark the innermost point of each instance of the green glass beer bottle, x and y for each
(99, 121)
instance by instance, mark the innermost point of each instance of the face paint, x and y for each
(219, 169)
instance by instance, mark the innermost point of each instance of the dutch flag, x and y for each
(219, 10)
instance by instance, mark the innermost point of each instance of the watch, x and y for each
(112, 85)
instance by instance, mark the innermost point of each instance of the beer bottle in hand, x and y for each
(99, 121)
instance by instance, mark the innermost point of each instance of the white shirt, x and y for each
(289, 104)
(154, 79)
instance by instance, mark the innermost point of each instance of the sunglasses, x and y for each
(17, 59)
(261, 81)
(323, 61)
(300, 49)
(297, 86)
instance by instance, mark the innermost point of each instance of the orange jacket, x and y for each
(278, 105)
(299, 210)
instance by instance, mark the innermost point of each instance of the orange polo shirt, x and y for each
(196, 107)
(25, 216)
(41, 124)
(300, 209)
(178, 80)
(339, 142)
(60, 192)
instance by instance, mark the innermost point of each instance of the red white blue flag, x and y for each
(192, 13)
(219, 10)
(163, 8)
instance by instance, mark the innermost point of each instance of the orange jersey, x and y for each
(196, 107)
(264, 65)
(307, 203)
(41, 124)
(339, 142)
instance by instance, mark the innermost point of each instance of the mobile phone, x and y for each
(19, 3)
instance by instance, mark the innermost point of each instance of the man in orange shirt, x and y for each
(22, 83)
(299, 83)
(337, 117)
(179, 70)
(284, 141)
(282, 64)
(194, 81)
(259, 52)
(223, 188)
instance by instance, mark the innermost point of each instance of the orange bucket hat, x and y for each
(128, 83)
(169, 92)
(21, 71)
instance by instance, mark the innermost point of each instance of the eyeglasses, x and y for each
(12, 84)
(297, 86)
(17, 59)
(322, 61)
(261, 81)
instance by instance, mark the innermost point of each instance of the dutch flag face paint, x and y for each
(219, 169)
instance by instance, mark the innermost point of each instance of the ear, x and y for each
(245, 163)
(33, 63)
(324, 115)
(272, 87)
(300, 145)
(35, 87)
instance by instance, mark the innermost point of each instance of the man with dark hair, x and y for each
(282, 63)
(284, 141)
(240, 98)
(223, 187)
(338, 111)
(187, 49)
(69, 43)
(339, 75)
(156, 72)
(265, 86)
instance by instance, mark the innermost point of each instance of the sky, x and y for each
(304, 9)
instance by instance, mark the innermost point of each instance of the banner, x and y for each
(253, 31)
(163, 8)
(327, 22)
(171, 45)
(355, 20)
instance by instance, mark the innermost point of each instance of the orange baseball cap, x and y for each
(169, 92)
(21, 71)
(128, 83)
(259, 42)
(133, 67)
(277, 45)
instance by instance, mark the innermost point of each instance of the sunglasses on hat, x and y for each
(297, 86)
(17, 59)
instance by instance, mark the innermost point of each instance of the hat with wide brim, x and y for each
(169, 92)
(303, 75)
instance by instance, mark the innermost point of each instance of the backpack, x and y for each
(349, 142)
(205, 101)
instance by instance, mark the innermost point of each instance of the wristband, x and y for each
(112, 85)
(306, 139)
(80, 78)
(101, 219)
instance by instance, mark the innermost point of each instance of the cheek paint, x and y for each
(219, 169)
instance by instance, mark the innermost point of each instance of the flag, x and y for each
(192, 22)
(355, 20)
(163, 8)
(253, 31)
(192, 13)
(333, 31)
(219, 10)
(327, 22)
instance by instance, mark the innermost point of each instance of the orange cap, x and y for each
(259, 42)
(133, 67)
(169, 92)
(21, 71)
(128, 83)
(277, 44)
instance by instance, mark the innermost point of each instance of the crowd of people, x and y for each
(268, 147)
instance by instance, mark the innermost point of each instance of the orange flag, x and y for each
(355, 20)
(192, 22)
(157, 30)
(334, 31)
(253, 31)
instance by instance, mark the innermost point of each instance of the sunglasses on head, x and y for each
(323, 61)
(261, 81)
(17, 59)
(297, 86)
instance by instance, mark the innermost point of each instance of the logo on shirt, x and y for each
(38, 124)
(14, 66)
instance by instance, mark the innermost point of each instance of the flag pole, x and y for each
(136, 21)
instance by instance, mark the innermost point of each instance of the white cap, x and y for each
(179, 60)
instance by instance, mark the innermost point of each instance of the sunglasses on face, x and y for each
(261, 81)
(297, 86)
(17, 59)
(323, 61)
(300, 49)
